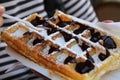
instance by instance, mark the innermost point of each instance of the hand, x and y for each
(2, 10)
(110, 26)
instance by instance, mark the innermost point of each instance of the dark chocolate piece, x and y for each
(51, 29)
(70, 59)
(95, 37)
(76, 38)
(83, 46)
(102, 56)
(109, 42)
(92, 30)
(52, 49)
(66, 36)
(81, 29)
(89, 57)
(37, 40)
(27, 33)
(84, 67)
(63, 23)
(37, 21)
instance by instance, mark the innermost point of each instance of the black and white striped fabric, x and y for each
(81, 9)
(22, 8)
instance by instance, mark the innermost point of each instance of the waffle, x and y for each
(67, 47)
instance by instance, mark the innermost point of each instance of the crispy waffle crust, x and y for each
(69, 48)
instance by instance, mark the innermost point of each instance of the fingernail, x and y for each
(108, 21)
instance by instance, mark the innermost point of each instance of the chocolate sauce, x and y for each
(66, 36)
(81, 29)
(109, 42)
(102, 56)
(37, 21)
(95, 37)
(83, 46)
(37, 40)
(70, 59)
(84, 67)
(52, 49)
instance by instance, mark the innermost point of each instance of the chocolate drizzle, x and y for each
(84, 67)
(70, 59)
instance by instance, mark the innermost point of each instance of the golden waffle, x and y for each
(69, 48)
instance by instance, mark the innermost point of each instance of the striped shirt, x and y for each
(22, 8)
(81, 9)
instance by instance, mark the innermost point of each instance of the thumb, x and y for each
(2, 10)
(108, 21)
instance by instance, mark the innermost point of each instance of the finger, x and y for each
(2, 10)
(108, 21)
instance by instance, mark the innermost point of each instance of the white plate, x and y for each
(113, 75)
